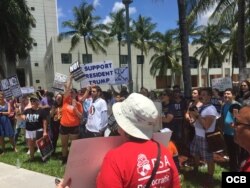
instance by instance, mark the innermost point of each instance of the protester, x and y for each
(97, 117)
(216, 100)
(55, 114)
(243, 91)
(242, 134)
(6, 129)
(228, 118)
(36, 124)
(71, 118)
(205, 121)
(131, 164)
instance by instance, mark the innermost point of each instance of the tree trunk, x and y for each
(119, 52)
(241, 40)
(142, 59)
(86, 49)
(184, 48)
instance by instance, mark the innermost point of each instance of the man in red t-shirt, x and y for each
(242, 133)
(131, 164)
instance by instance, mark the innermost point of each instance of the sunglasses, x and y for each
(237, 124)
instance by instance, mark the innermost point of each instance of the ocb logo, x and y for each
(236, 179)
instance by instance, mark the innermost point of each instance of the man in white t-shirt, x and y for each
(205, 122)
(97, 114)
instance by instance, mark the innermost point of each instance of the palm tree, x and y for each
(225, 9)
(142, 33)
(117, 28)
(166, 54)
(86, 25)
(15, 39)
(209, 40)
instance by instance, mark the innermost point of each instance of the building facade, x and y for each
(31, 71)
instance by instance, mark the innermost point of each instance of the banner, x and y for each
(59, 81)
(76, 71)
(45, 146)
(121, 75)
(11, 87)
(222, 83)
(98, 73)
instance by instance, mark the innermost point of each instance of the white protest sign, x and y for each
(222, 83)
(59, 81)
(98, 73)
(11, 87)
(121, 75)
(27, 90)
(15, 86)
(76, 71)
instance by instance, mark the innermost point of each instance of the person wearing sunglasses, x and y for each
(36, 124)
(242, 134)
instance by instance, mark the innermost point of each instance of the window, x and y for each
(66, 58)
(33, 25)
(140, 59)
(86, 58)
(36, 64)
(35, 44)
(32, 8)
(37, 81)
(124, 59)
(215, 64)
(193, 62)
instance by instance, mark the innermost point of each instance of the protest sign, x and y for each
(11, 87)
(27, 90)
(98, 73)
(222, 83)
(45, 146)
(59, 81)
(121, 75)
(15, 86)
(76, 71)
(83, 165)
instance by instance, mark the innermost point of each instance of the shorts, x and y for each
(199, 147)
(69, 130)
(34, 135)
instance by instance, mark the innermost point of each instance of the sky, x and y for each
(163, 12)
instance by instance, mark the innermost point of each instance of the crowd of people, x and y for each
(91, 112)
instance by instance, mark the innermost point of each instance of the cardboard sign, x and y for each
(45, 146)
(121, 75)
(76, 71)
(98, 73)
(83, 165)
(59, 81)
(222, 83)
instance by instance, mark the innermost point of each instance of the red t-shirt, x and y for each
(245, 166)
(131, 164)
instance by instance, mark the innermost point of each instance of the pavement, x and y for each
(13, 177)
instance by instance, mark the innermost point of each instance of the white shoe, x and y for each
(226, 157)
(28, 152)
(38, 150)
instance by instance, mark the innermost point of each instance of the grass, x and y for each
(53, 166)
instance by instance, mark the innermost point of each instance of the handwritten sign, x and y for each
(121, 75)
(222, 83)
(98, 73)
(76, 71)
(59, 81)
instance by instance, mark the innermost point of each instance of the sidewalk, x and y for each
(12, 177)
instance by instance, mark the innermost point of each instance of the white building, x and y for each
(49, 56)
(31, 72)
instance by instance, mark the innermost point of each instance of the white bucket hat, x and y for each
(136, 115)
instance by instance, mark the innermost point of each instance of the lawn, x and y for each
(54, 167)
